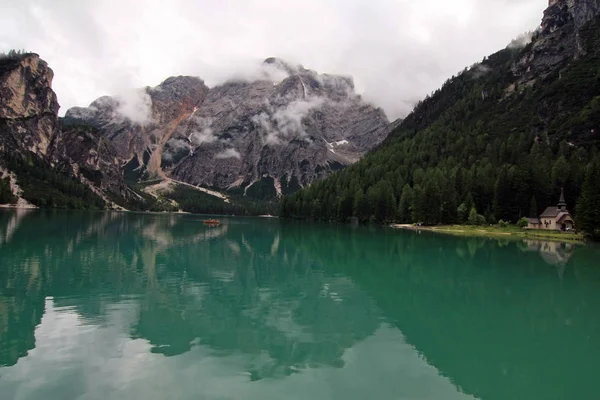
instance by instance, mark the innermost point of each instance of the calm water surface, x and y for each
(128, 306)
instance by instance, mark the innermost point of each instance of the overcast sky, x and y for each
(397, 50)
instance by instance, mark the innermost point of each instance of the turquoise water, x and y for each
(133, 306)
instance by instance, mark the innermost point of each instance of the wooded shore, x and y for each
(495, 231)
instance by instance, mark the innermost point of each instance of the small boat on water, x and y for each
(212, 222)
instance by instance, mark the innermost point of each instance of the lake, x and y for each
(141, 306)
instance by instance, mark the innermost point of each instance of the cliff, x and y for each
(568, 30)
(28, 105)
(46, 163)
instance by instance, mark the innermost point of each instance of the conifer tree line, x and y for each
(194, 201)
(588, 206)
(6, 194)
(479, 150)
(14, 54)
(44, 186)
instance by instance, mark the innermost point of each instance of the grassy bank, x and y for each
(498, 232)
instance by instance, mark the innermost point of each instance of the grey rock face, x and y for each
(29, 124)
(559, 39)
(28, 105)
(583, 11)
(292, 129)
(92, 157)
(140, 120)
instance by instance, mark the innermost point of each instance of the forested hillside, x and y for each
(44, 186)
(488, 140)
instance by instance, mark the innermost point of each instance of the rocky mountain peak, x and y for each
(561, 12)
(180, 88)
(563, 35)
(28, 105)
(283, 65)
(287, 127)
(556, 16)
(341, 84)
(26, 87)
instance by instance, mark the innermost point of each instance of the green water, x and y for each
(131, 306)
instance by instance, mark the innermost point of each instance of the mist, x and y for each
(135, 105)
(396, 51)
(229, 153)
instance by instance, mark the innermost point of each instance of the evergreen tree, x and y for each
(533, 208)
(473, 216)
(456, 152)
(361, 205)
(404, 206)
(588, 206)
(463, 213)
(6, 195)
(503, 196)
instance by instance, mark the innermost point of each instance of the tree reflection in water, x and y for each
(290, 297)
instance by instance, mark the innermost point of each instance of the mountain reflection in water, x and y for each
(445, 317)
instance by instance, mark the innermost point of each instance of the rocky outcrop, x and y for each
(290, 126)
(138, 121)
(562, 36)
(28, 105)
(582, 11)
(92, 158)
(30, 127)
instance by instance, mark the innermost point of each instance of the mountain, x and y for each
(501, 138)
(41, 163)
(175, 145)
(262, 136)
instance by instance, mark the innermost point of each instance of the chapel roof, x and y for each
(550, 212)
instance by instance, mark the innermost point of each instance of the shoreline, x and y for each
(496, 232)
(18, 207)
(179, 212)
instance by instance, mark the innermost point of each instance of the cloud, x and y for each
(175, 146)
(203, 132)
(286, 122)
(229, 153)
(271, 136)
(135, 105)
(396, 50)
(206, 135)
(521, 41)
(253, 72)
(342, 85)
(289, 118)
(480, 70)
